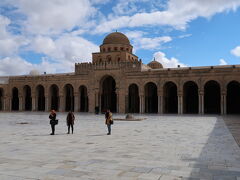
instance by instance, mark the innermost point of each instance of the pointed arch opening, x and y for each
(133, 99)
(27, 98)
(233, 98)
(1, 99)
(69, 97)
(54, 97)
(108, 94)
(212, 98)
(83, 99)
(40, 98)
(190, 98)
(170, 98)
(15, 99)
(151, 98)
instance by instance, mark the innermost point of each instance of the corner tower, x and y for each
(115, 48)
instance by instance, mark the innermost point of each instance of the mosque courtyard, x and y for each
(159, 147)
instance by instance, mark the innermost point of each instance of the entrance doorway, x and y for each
(133, 99)
(108, 96)
(212, 98)
(233, 98)
(190, 97)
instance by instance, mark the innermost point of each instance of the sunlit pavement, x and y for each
(160, 147)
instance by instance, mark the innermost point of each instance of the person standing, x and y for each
(108, 121)
(70, 121)
(52, 118)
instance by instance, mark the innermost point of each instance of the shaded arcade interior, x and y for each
(169, 101)
(108, 95)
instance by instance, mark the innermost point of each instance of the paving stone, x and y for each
(141, 170)
(167, 147)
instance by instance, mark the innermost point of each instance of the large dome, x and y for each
(155, 65)
(116, 38)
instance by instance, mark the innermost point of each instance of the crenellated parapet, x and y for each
(86, 68)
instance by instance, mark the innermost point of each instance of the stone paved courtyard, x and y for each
(160, 147)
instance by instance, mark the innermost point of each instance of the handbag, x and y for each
(111, 121)
(54, 122)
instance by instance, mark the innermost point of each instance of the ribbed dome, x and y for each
(155, 65)
(116, 38)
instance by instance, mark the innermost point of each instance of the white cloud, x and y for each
(43, 45)
(222, 62)
(99, 1)
(178, 14)
(19, 66)
(54, 16)
(166, 62)
(9, 44)
(152, 43)
(140, 41)
(66, 48)
(184, 36)
(236, 51)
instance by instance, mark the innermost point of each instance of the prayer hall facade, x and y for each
(117, 80)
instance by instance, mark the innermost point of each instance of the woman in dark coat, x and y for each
(108, 121)
(52, 118)
(70, 121)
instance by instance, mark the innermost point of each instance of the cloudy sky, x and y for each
(52, 35)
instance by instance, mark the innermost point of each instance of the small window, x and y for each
(127, 49)
(118, 59)
(109, 49)
(115, 48)
(100, 60)
(122, 49)
(103, 49)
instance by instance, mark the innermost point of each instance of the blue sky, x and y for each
(50, 36)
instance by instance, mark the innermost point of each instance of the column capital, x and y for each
(160, 93)
(201, 93)
(224, 93)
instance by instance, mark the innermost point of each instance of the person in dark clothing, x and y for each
(108, 121)
(70, 121)
(52, 118)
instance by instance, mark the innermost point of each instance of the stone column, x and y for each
(199, 103)
(223, 102)
(4, 103)
(99, 102)
(61, 103)
(202, 104)
(117, 94)
(76, 102)
(20, 103)
(91, 101)
(180, 104)
(121, 104)
(46, 103)
(126, 104)
(23, 103)
(160, 102)
(33, 103)
(10, 103)
(142, 104)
